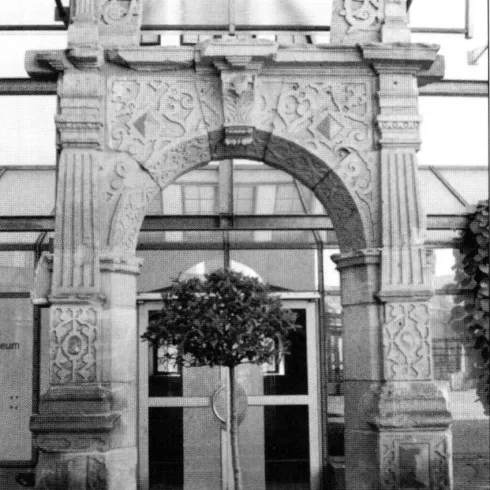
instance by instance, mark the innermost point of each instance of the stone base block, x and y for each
(112, 470)
(361, 459)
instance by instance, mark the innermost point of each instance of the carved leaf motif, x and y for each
(238, 99)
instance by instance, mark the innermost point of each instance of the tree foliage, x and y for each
(226, 320)
(472, 314)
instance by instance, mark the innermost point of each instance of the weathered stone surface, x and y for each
(132, 120)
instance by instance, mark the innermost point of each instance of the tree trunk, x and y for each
(235, 457)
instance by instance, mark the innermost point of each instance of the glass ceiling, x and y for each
(28, 138)
(432, 14)
(258, 190)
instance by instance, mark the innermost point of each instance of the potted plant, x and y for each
(225, 320)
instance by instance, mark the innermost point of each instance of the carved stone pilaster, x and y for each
(355, 22)
(83, 29)
(405, 271)
(80, 118)
(395, 25)
(76, 255)
(120, 22)
(362, 21)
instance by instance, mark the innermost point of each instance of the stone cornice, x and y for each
(238, 53)
(408, 58)
(419, 59)
(53, 62)
(153, 59)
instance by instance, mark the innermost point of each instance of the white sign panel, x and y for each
(16, 336)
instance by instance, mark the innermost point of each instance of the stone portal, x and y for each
(342, 119)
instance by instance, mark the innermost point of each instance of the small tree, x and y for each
(226, 320)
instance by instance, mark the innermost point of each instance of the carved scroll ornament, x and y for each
(119, 11)
(362, 15)
(74, 344)
(407, 342)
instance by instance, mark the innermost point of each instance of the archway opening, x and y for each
(281, 250)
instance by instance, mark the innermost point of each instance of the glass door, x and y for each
(183, 440)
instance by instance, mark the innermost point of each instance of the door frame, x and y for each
(307, 300)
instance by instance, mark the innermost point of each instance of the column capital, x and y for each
(368, 256)
(359, 276)
(120, 264)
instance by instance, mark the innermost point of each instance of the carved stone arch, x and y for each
(327, 180)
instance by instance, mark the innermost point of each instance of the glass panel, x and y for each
(28, 12)
(274, 267)
(16, 271)
(16, 357)
(471, 184)
(333, 319)
(443, 141)
(166, 450)
(287, 451)
(27, 192)
(168, 380)
(429, 13)
(162, 380)
(290, 376)
(445, 264)
(13, 47)
(331, 275)
(160, 267)
(29, 136)
(306, 12)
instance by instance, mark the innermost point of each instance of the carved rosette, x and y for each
(407, 342)
(74, 344)
(415, 460)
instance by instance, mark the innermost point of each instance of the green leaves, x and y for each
(472, 274)
(225, 320)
